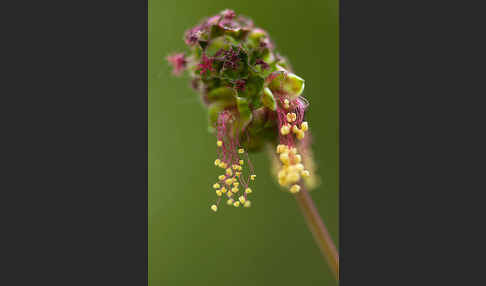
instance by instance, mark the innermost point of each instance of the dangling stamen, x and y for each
(231, 158)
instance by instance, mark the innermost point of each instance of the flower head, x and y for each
(253, 99)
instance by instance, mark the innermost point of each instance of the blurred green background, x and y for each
(267, 244)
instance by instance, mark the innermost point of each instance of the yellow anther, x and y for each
(236, 204)
(248, 191)
(286, 104)
(214, 208)
(229, 202)
(252, 177)
(296, 159)
(241, 151)
(284, 158)
(221, 177)
(241, 162)
(240, 168)
(293, 177)
(282, 148)
(235, 167)
(295, 129)
(223, 165)
(223, 190)
(228, 181)
(282, 174)
(305, 173)
(247, 204)
(237, 174)
(294, 189)
(304, 126)
(299, 166)
(291, 117)
(229, 172)
(216, 186)
(219, 143)
(235, 190)
(300, 135)
(242, 199)
(236, 184)
(217, 162)
(229, 194)
(219, 193)
(285, 129)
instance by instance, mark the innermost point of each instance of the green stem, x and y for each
(319, 230)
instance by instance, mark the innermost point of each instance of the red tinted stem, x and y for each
(319, 230)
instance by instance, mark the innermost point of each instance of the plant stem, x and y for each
(319, 231)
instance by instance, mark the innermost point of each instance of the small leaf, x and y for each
(268, 99)
(288, 83)
(244, 110)
(221, 94)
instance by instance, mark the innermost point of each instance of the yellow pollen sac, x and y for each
(217, 162)
(305, 173)
(219, 193)
(236, 204)
(252, 177)
(284, 158)
(229, 172)
(294, 189)
(304, 126)
(236, 184)
(221, 177)
(237, 174)
(282, 174)
(241, 151)
(216, 186)
(295, 129)
(283, 181)
(299, 167)
(223, 190)
(235, 167)
(296, 159)
(223, 165)
(247, 204)
(293, 177)
(291, 117)
(228, 181)
(293, 150)
(229, 194)
(248, 191)
(282, 148)
(235, 190)
(219, 143)
(214, 208)
(242, 199)
(240, 168)
(286, 104)
(285, 129)
(229, 202)
(241, 162)
(300, 135)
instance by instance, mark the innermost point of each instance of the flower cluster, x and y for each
(253, 99)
